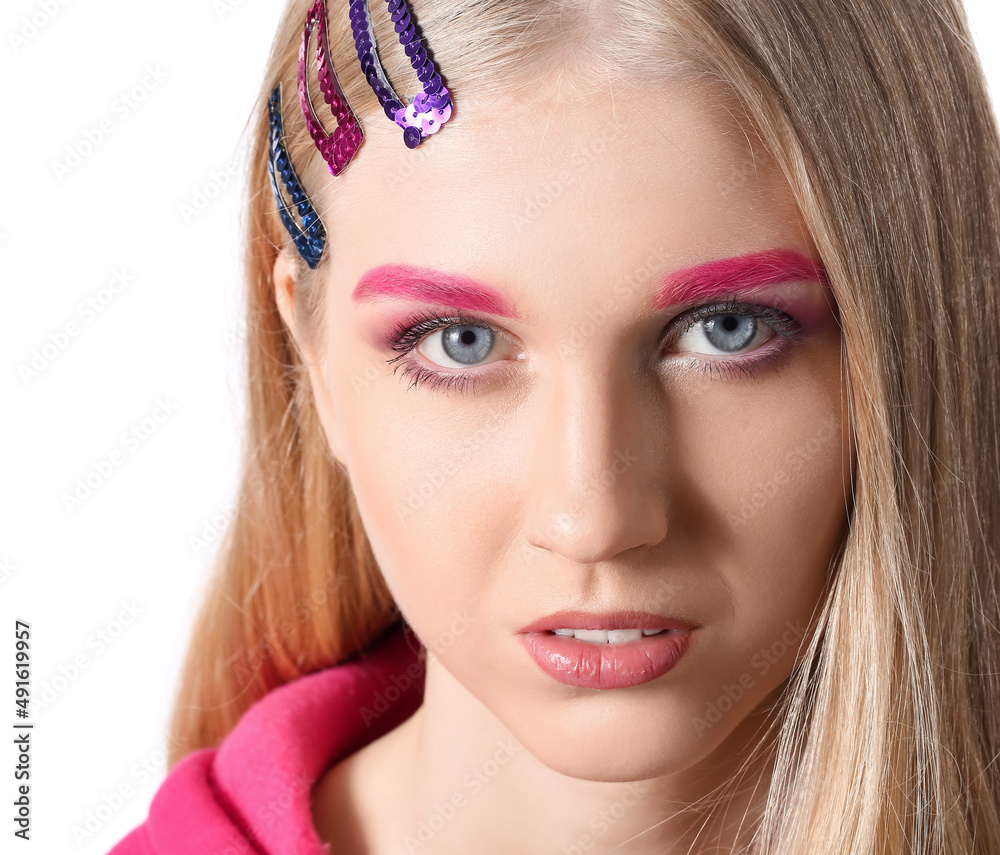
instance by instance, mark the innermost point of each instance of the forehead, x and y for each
(555, 176)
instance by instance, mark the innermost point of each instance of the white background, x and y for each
(149, 388)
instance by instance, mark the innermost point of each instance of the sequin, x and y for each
(429, 109)
(338, 148)
(310, 238)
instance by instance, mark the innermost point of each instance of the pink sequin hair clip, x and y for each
(339, 147)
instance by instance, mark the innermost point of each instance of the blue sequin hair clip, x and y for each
(310, 237)
(425, 116)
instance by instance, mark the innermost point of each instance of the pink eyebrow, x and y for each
(420, 283)
(753, 270)
(738, 273)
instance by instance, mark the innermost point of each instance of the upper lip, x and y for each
(626, 619)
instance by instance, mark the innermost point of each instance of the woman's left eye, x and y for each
(739, 331)
(724, 334)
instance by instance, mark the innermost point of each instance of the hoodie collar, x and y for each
(256, 787)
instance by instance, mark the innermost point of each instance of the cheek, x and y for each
(427, 493)
(766, 471)
(788, 503)
(784, 527)
(768, 475)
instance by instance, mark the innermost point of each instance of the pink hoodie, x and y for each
(251, 794)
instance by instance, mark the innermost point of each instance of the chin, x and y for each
(618, 747)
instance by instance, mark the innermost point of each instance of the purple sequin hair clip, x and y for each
(432, 107)
(424, 116)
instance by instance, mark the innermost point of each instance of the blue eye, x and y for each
(454, 342)
(466, 344)
(732, 327)
(724, 335)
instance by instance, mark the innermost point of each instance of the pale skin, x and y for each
(529, 522)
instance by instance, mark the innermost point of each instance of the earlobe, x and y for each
(283, 276)
(284, 293)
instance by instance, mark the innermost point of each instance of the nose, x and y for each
(595, 490)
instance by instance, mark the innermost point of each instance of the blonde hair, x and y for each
(878, 114)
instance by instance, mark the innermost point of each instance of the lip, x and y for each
(590, 665)
(626, 619)
(606, 666)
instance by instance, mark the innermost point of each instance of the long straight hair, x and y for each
(878, 115)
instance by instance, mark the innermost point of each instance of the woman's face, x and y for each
(597, 425)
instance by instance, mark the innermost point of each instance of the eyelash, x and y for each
(408, 335)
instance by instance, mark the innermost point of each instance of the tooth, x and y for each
(616, 636)
(598, 635)
(606, 636)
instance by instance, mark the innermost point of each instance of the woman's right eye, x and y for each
(448, 343)
(458, 346)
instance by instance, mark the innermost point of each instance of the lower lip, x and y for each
(591, 665)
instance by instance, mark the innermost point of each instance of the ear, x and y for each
(285, 282)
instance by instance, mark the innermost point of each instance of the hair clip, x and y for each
(432, 107)
(424, 116)
(340, 147)
(310, 238)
